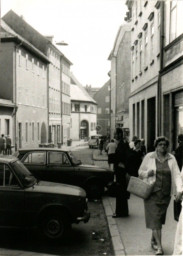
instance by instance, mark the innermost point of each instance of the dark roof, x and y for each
(21, 27)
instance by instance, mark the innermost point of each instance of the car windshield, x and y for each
(74, 158)
(26, 178)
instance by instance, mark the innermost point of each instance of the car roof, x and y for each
(41, 149)
(7, 159)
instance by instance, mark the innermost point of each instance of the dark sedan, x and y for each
(62, 166)
(26, 202)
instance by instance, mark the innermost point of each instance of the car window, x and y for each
(7, 178)
(58, 158)
(35, 158)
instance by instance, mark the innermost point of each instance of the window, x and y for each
(106, 110)
(58, 158)
(99, 110)
(6, 176)
(173, 20)
(106, 99)
(35, 158)
(26, 132)
(145, 48)
(140, 55)
(86, 108)
(152, 40)
(77, 107)
(38, 131)
(32, 131)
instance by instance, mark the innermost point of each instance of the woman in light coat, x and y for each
(160, 168)
(178, 244)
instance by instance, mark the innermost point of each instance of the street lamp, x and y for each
(62, 43)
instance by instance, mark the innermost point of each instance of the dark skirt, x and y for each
(111, 158)
(155, 210)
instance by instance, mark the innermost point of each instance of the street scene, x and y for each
(91, 127)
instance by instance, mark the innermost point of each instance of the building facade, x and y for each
(156, 78)
(120, 79)
(23, 81)
(83, 112)
(102, 98)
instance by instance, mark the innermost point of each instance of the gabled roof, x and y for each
(78, 93)
(22, 28)
(7, 34)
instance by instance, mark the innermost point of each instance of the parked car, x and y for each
(93, 142)
(62, 166)
(27, 202)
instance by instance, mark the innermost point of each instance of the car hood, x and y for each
(94, 168)
(57, 188)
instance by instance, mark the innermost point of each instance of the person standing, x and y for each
(160, 168)
(178, 243)
(179, 151)
(8, 145)
(101, 145)
(2, 144)
(111, 149)
(120, 172)
(134, 159)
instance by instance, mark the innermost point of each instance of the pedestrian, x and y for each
(2, 144)
(143, 147)
(120, 172)
(179, 151)
(160, 167)
(134, 159)
(131, 144)
(111, 149)
(178, 243)
(101, 145)
(8, 145)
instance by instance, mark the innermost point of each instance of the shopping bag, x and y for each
(139, 187)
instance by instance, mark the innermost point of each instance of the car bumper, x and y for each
(85, 218)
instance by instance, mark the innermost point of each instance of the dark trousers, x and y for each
(121, 198)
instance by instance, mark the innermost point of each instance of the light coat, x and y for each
(149, 163)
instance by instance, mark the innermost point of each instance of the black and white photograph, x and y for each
(91, 127)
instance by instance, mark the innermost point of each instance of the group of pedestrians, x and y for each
(159, 168)
(5, 145)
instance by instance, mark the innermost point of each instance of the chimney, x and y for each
(50, 38)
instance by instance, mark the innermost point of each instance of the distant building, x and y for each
(102, 98)
(57, 78)
(92, 90)
(120, 75)
(83, 112)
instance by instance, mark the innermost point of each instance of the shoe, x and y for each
(159, 251)
(154, 245)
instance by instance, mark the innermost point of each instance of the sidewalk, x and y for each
(129, 235)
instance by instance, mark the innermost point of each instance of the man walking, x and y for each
(2, 144)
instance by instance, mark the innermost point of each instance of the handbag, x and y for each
(177, 209)
(139, 187)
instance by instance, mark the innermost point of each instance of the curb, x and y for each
(117, 242)
(98, 158)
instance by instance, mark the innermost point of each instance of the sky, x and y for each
(89, 27)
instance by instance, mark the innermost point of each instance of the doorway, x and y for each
(151, 123)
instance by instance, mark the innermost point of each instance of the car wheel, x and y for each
(55, 225)
(94, 189)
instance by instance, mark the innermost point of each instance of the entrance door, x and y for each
(178, 123)
(151, 123)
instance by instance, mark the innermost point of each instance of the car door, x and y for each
(60, 168)
(11, 198)
(35, 161)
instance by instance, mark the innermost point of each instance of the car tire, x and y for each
(55, 225)
(94, 189)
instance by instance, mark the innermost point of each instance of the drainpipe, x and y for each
(61, 112)
(159, 89)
